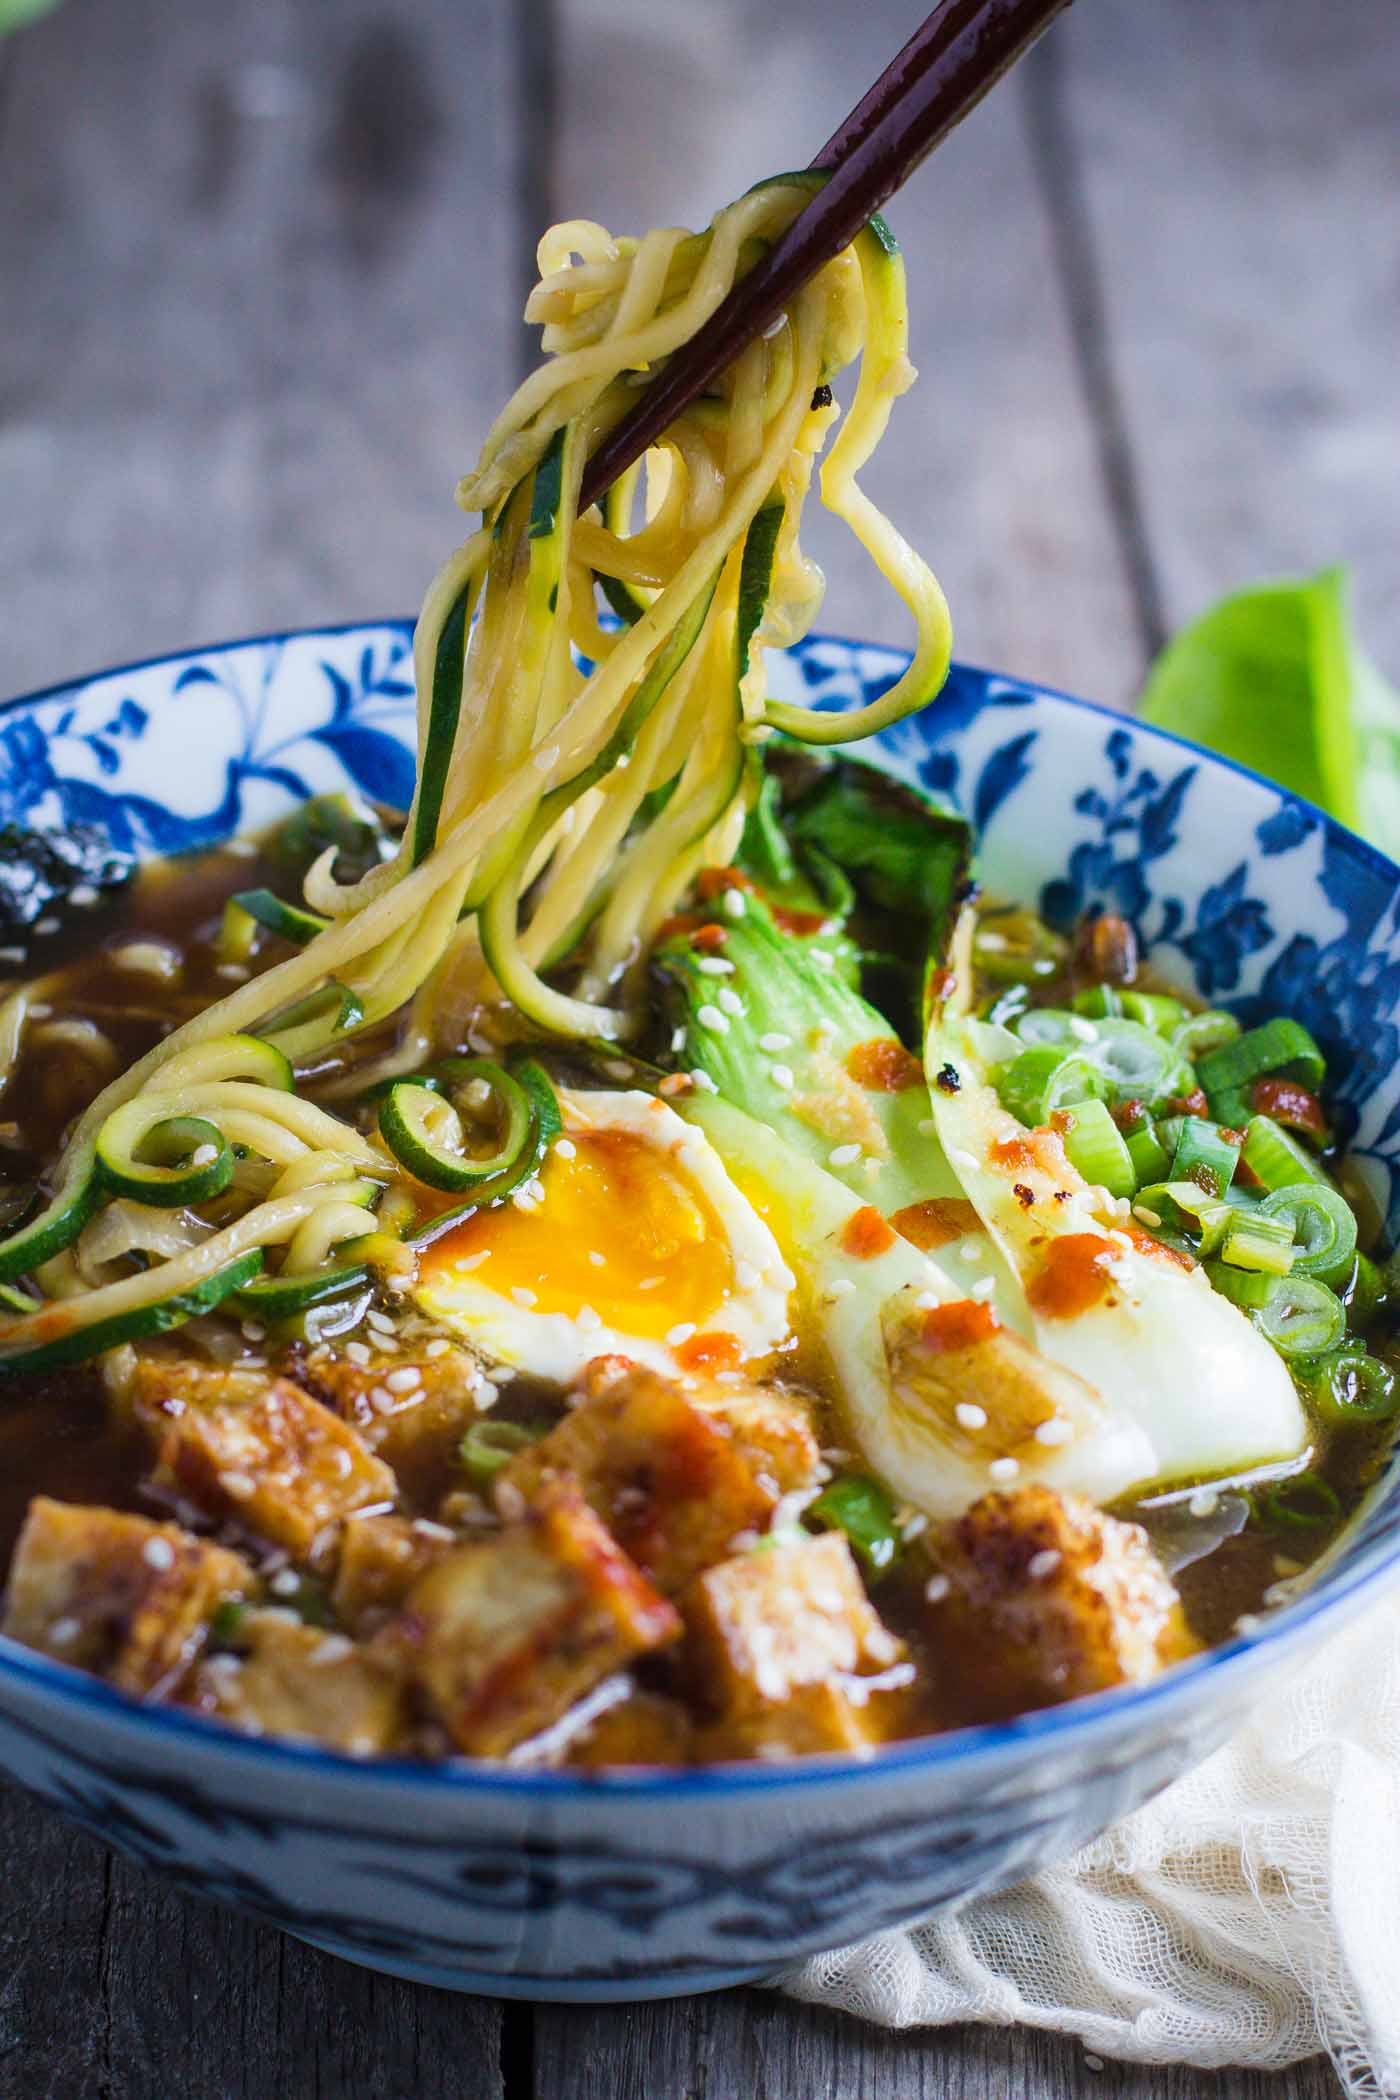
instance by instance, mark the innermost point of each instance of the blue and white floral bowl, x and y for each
(545, 1885)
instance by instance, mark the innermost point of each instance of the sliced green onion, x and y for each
(1281, 1046)
(1044, 1078)
(1200, 1033)
(1051, 1024)
(1247, 1288)
(1348, 1385)
(1137, 1065)
(1185, 1206)
(1095, 1145)
(1276, 1159)
(1098, 1001)
(1321, 1220)
(1301, 1317)
(1156, 1010)
(1304, 1502)
(864, 1510)
(1148, 1154)
(488, 1448)
(1205, 1155)
(1262, 1244)
(1366, 1293)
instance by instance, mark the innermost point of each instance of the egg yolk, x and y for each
(621, 1227)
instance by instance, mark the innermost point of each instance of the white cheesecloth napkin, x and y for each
(1250, 1915)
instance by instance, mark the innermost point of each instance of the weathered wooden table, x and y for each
(261, 264)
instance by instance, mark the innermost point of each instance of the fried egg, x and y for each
(632, 1240)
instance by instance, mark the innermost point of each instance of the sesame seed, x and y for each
(714, 966)
(202, 1155)
(546, 758)
(937, 1588)
(426, 1528)
(241, 1486)
(1053, 1431)
(1204, 1503)
(970, 1415)
(729, 1000)
(1148, 1217)
(82, 894)
(339, 1462)
(844, 1156)
(522, 1296)
(158, 1553)
(710, 1017)
(523, 1200)
(674, 1083)
(1004, 1468)
(509, 1500)
(774, 1040)
(438, 1347)
(840, 1287)
(39, 1012)
(404, 1379)
(47, 925)
(992, 942)
(914, 1525)
(380, 1321)
(333, 1649)
(617, 1068)
(734, 905)
(358, 1354)
(468, 1262)
(599, 1261)
(984, 1288)
(253, 1331)
(285, 1583)
(927, 1301)
(64, 1632)
(650, 1283)
(781, 1076)
(1083, 1031)
(1042, 1564)
(959, 1158)
(566, 1148)
(235, 972)
(502, 1373)
(677, 1040)
(824, 957)
(588, 1319)
(381, 1400)
(681, 1332)
(12, 955)
(703, 1081)
(970, 1249)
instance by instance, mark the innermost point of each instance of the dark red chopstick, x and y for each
(944, 70)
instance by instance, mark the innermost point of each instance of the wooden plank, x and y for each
(991, 465)
(765, 2048)
(1240, 167)
(112, 1984)
(261, 270)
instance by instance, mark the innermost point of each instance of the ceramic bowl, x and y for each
(546, 1885)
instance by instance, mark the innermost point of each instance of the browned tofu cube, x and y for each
(773, 1430)
(644, 1729)
(297, 1680)
(116, 1594)
(1047, 1598)
(670, 1483)
(788, 1654)
(279, 1463)
(504, 1636)
(380, 1559)
(411, 1409)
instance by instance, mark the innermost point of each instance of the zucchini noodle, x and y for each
(574, 771)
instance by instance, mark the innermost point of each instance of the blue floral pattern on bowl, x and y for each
(544, 1884)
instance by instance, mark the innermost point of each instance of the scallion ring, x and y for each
(1301, 1317)
(1323, 1225)
(1348, 1385)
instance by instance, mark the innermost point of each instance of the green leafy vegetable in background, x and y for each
(1274, 678)
(14, 12)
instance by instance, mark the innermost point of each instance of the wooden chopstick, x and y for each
(944, 70)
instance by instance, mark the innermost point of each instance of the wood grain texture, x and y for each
(1240, 167)
(261, 272)
(752, 2046)
(990, 465)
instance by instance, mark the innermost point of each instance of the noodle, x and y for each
(572, 776)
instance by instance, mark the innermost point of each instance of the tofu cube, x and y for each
(670, 1482)
(503, 1636)
(410, 1409)
(291, 1679)
(782, 1644)
(279, 1463)
(116, 1594)
(1048, 1599)
(380, 1559)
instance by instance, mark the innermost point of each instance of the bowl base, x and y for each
(547, 1990)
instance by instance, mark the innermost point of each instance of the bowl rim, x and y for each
(1271, 1640)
